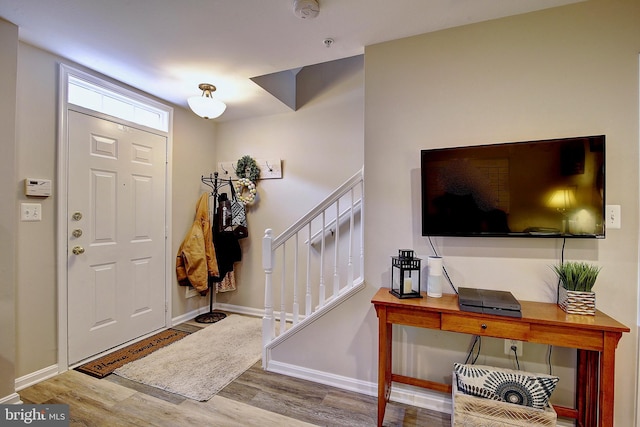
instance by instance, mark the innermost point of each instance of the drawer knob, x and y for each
(483, 326)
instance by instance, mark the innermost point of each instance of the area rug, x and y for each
(105, 365)
(202, 364)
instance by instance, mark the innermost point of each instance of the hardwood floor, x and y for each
(256, 398)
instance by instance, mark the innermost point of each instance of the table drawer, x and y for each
(409, 317)
(488, 327)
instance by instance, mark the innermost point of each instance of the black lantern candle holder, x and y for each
(405, 275)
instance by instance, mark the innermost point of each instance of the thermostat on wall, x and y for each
(37, 187)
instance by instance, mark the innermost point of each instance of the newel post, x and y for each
(268, 325)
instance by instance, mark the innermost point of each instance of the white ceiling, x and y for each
(168, 47)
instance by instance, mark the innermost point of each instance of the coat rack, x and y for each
(215, 183)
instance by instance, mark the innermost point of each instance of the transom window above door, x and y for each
(103, 100)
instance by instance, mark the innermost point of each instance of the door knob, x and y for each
(77, 232)
(77, 250)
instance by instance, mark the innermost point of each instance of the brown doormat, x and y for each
(104, 365)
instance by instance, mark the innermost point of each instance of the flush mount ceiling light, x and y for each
(206, 106)
(306, 9)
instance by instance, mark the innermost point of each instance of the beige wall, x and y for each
(194, 145)
(311, 170)
(560, 72)
(568, 71)
(36, 295)
(8, 216)
(320, 145)
(36, 288)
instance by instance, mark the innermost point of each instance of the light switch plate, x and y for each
(30, 212)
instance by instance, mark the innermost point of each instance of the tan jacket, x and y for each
(196, 260)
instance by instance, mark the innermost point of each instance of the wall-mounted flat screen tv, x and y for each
(547, 188)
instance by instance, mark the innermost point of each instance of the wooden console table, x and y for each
(595, 337)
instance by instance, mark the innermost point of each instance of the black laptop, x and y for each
(487, 301)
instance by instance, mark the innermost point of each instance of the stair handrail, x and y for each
(271, 244)
(323, 205)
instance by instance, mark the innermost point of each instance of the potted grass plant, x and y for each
(576, 281)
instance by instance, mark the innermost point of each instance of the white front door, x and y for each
(116, 234)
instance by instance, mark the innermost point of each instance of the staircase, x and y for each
(314, 265)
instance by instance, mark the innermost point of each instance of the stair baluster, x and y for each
(324, 225)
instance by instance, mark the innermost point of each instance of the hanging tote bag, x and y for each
(239, 215)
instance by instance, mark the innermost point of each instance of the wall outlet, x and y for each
(190, 292)
(612, 216)
(508, 350)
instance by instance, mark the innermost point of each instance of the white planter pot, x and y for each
(577, 302)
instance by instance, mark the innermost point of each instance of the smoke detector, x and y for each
(306, 9)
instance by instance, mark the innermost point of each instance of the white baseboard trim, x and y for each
(189, 315)
(400, 393)
(248, 311)
(216, 306)
(35, 377)
(12, 399)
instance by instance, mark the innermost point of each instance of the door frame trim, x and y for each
(61, 188)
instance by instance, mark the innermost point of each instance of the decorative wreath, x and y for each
(245, 197)
(247, 168)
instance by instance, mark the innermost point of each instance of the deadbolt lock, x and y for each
(77, 232)
(77, 216)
